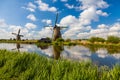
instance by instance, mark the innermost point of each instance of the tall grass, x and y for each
(31, 66)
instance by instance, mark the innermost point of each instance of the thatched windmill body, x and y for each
(56, 33)
(18, 36)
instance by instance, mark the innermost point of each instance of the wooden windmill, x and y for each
(18, 36)
(56, 30)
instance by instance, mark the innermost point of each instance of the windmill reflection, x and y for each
(17, 47)
(57, 49)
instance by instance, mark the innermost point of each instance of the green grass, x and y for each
(31, 66)
(21, 41)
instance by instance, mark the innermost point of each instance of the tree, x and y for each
(60, 40)
(68, 40)
(113, 39)
(96, 39)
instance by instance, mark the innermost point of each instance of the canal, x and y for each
(98, 56)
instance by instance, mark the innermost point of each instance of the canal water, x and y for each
(98, 56)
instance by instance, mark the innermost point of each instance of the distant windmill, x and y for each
(56, 30)
(18, 36)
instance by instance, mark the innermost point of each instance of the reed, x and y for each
(32, 66)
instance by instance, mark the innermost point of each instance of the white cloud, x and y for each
(79, 24)
(91, 11)
(30, 26)
(5, 34)
(115, 27)
(93, 3)
(69, 6)
(45, 7)
(25, 30)
(14, 28)
(47, 21)
(106, 30)
(46, 32)
(31, 7)
(31, 17)
(84, 35)
(102, 26)
(88, 15)
(7, 31)
(69, 20)
(99, 12)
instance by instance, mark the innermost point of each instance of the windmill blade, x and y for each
(50, 27)
(18, 31)
(56, 19)
(14, 49)
(21, 35)
(63, 26)
(14, 33)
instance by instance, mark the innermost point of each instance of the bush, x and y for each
(68, 40)
(60, 40)
(113, 39)
(96, 39)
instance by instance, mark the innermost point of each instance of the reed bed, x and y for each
(32, 66)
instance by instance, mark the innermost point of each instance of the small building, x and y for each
(45, 40)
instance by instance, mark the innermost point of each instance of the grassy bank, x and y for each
(22, 41)
(29, 66)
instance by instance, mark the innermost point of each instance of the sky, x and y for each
(83, 18)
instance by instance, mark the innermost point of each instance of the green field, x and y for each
(31, 66)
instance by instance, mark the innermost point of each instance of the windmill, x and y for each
(18, 36)
(56, 30)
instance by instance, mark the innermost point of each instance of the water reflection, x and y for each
(110, 49)
(57, 51)
(52, 51)
(17, 47)
(99, 56)
(43, 46)
(79, 53)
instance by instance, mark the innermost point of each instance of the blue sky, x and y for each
(84, 18)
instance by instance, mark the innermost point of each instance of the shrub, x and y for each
(113, 39)
(96, 39)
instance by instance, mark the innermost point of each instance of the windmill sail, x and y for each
(18, 31)
(56, 20)
(14, 33)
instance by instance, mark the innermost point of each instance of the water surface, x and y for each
(99, 56)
